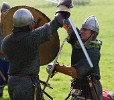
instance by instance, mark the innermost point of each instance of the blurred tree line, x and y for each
(81, 2)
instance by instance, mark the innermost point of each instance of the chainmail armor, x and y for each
(21, 48)
(79, 61)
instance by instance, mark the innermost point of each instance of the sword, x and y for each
(81, 43)
(54, 1)
(55, 61)
(78, 37)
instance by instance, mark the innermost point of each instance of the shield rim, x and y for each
(46, 59)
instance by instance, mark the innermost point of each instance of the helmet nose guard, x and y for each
(91, 23)
(22, 17)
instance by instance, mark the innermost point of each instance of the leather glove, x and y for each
(66, 25)
(67, 3)
(63, 11)
(64, 6)
(60, 16)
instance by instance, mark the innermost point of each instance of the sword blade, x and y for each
(81, 43)
(53, 1)
(55, 61)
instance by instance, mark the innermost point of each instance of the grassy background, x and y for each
(103, 10)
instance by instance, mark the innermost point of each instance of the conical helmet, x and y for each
(91, 23)
(22, 17)
(5, 6)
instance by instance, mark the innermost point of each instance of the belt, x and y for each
(25, 75)
(82, 98)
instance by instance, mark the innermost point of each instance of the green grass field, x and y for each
(104, 11)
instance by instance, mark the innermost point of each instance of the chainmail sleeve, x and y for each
(44, 32)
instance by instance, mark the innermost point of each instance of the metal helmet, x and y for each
(91, 23)
(5, 6)
(22, 17)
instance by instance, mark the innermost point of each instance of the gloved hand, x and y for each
(63, 11)
(67, 3)
(66, 25)
(111, 95)
(49, 68)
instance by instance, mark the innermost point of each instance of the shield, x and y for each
(48, 50)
